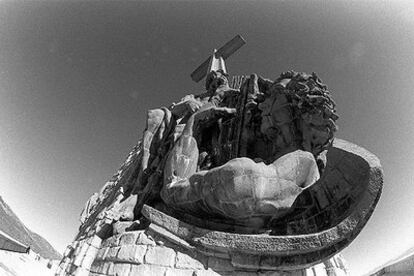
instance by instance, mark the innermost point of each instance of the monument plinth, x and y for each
(243, 179)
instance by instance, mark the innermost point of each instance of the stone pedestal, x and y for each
(157, 252)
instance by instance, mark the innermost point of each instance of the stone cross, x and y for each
(218, 57)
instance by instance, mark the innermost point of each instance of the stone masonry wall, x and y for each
(147, 252)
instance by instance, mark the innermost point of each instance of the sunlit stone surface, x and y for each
(244, 179)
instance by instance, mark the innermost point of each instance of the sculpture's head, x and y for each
(215, 79)
(297, 112)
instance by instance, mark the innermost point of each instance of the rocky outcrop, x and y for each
(14, 227)
(401, 266)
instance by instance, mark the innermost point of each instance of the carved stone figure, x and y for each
(247, 173)
(287, 126)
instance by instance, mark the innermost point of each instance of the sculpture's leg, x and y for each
(240, 189)
(182, 161)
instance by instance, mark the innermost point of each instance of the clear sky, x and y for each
(77, 78)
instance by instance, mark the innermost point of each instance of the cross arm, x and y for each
(225, 51)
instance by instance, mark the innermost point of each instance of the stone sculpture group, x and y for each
(246, 158)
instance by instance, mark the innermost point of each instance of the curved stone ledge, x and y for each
(293, 251)
(155, 251)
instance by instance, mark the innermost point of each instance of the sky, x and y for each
(76, 80)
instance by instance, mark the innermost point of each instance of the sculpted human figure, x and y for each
(163, 127)
(238, 171)
(286, 125)
(296, 125)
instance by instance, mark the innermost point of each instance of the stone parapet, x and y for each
(154, 252)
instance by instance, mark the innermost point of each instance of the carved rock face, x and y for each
(242, 189)
(248, 155)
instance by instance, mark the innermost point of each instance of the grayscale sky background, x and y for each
(76, 79)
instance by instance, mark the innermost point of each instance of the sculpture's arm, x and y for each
(188, 104)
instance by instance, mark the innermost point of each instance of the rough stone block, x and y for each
(187, 262)
(169, 236)
(121, 269)
(102, 253)
(245, 273)
(121, 226)
(208, 272)
(112, 253)
(270, 262)
(299, 273)
(77, 249)
(111, 269)
(160, 255)
(71, 268)
(95, 241)
(107, 266)
(219, 264)
(147, 270)
(110, 242)
(132, 253)
(128, 238)
(80, 252)
(69, 250)
(178, 272)
(89, 257)
(144, 239)
(98, 267)
(272, 273)
(245, 261)
(77, 260)
(80, 271)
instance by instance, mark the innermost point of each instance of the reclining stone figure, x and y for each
(242, 155)
(295, 126)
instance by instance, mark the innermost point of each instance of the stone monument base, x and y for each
(156, 251)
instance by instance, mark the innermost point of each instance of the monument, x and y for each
(243, 179)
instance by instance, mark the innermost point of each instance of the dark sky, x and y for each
(76, 80)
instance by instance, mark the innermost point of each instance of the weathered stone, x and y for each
(70, 268)
(178, 272)
(187, 262)
(77, 260)
(100, 267)
(95, 241)
(144, 239)
(102, 253)
(219, 264)
(208, 272)
(112, 253)
(158, 255)
(247, 159)
(132, 253)
(110, 242)
(80, 271)
(121, 269)
(121, 227)
(245, 261)
(147, 270)
(245, 273)
(89, 257)
(90, 206)
(128, 238)
(169, 236)
(82, 248)
(271, 273)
